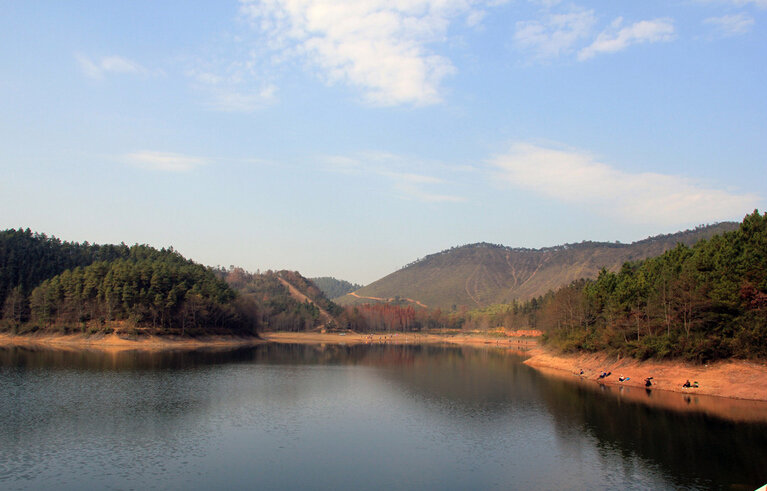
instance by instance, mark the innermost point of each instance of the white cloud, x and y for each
(398, 172)
(232, 86)
(228, 99)
(342, 165)
(380, 46)
(475, 18)
(616, 39)
(647, 197)
(731, 25)
(163, 161)
(412, 186)
(555, 34)
(98, 68)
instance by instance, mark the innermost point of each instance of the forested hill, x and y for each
(483, 274)
(700, 303)
(333, 288)
(286, 300)
(47, 284)
(27, 258)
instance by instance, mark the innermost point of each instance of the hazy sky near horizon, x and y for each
(348, 138)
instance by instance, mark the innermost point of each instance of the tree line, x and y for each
(28, 258)
(70, 287)
(704, 302)
(387, 317)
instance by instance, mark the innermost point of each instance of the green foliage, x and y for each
(84, 288)
(701, 303)
(26, 259)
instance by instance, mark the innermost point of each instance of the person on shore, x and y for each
(648, 382)
(687, 384)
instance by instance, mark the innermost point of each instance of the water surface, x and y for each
(336, 417)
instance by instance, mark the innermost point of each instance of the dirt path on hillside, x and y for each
(295, 293)
(543, 261)
(379, 299)
(466, 285)
(513, 271)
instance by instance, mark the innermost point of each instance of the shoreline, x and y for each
(731, 379)
(114, 343)
(352, 338)
(743, 383)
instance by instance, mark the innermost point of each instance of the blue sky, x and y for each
(348, 138)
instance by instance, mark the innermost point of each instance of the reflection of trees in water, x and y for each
(692, 446)
(97, 360)
(378, 355)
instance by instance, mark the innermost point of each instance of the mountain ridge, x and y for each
(480, 274)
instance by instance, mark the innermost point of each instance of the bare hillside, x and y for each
(483, 274)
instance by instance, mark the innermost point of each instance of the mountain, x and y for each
(68, 287)
(482, 274)
(333, 288)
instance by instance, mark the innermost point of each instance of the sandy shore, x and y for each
(735, 379)
(398, 338)
(115, 343)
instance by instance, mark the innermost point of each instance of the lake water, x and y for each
(336, 417)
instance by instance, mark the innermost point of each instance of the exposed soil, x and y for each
(379, 299)
(736, 379)
(115, 343)
(296, 294)
(398, 338)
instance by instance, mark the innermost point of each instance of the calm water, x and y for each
(370, 417)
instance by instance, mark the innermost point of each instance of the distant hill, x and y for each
(482, 274)
(333, 288)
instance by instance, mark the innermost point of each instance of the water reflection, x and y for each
(334, 416)
(691, 446)
(35, 357)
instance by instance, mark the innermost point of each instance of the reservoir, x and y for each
(282, 416)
